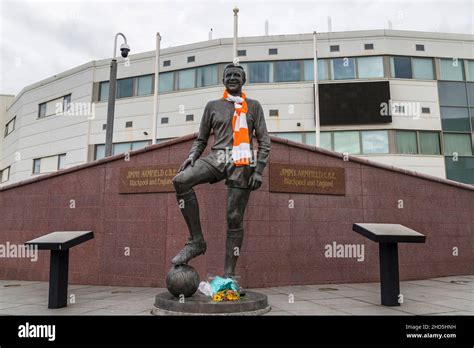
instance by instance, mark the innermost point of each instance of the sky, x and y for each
(39, 39)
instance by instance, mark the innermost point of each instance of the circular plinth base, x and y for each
(253, 303)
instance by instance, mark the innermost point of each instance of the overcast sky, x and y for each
(39, 39)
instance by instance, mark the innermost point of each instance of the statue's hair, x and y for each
(232, 65)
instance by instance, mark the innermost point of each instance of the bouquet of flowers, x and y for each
(226, 295)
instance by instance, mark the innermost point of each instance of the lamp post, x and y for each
(156, 90)
(109, 133)
(316, 92)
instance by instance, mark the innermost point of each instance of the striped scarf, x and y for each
(241, 146)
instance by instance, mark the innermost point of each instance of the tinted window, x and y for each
(288, 71)
(343, 68)
(452, 93)
(401, 67)
(125, 88)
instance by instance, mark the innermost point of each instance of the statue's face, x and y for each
(234, 80)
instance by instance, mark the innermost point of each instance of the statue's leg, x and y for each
(237, 199)
(188, 204)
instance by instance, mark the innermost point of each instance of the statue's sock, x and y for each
(189, 207)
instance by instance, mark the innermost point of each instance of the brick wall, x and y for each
(282, 246)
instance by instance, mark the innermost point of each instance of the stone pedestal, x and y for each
(253, 303)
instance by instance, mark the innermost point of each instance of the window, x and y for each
(125, 88)
(49, 164)
(455, 119)
(470, 93)
(368, 46)
(294, 136)
(325, 140)
(207, 76)
(401, 67)
(374, 141)
(186, 78)
(457, 143)
(452, 94)
(309, 70)
(104, 126)
(99, 151)
(420, 47)
(425, 110)
(10, 126)
(347, 142)
(121, 148)
(260, 72)
(423, 68)
(145, 85)
(368, 67)
(343, 68)
(129, 124)
(164, 120)
(62, 161)
(451, 69)
(167, 63)
(273, 112)
(42, 110)
(288, 71)
(334, 48)
(166, 82)
(140, 144)
(5, 175)
(36, 166)
(66, 102)
(241, 53)
(191, 59)
(189, 118)
(470, 69)
(104, 91)
(429, 143)
(273, 51)
(461, 170)
(406, 142)
(54, 107)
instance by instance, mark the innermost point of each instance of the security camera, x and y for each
(124, 49)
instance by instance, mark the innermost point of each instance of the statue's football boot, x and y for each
(191, 249)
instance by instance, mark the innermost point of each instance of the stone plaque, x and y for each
(146, 179)
(296, 178)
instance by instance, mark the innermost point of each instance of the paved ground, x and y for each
(439, 296)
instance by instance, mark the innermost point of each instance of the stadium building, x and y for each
(402, 98)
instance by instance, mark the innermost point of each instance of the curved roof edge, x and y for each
(273, 139)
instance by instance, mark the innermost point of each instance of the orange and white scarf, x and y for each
(241, 146)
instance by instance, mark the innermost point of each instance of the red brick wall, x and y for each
(282, 246)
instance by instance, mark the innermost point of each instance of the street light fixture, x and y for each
(124, 50)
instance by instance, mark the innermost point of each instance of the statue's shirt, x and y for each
(217, 117)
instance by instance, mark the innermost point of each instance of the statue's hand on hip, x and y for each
(186, 163)
(255, 181)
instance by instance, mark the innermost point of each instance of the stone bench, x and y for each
(59, 243)
(388, 236)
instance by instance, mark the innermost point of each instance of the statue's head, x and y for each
(234, 78)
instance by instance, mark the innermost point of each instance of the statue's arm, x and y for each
(263, 139)
(203, 136)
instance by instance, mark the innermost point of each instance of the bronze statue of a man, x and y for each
(235, 120)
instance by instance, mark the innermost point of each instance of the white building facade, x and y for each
(428, 77)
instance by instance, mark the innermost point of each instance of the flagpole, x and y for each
(316, 91)
(157, 85)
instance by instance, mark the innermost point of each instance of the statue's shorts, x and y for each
(237, 177)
